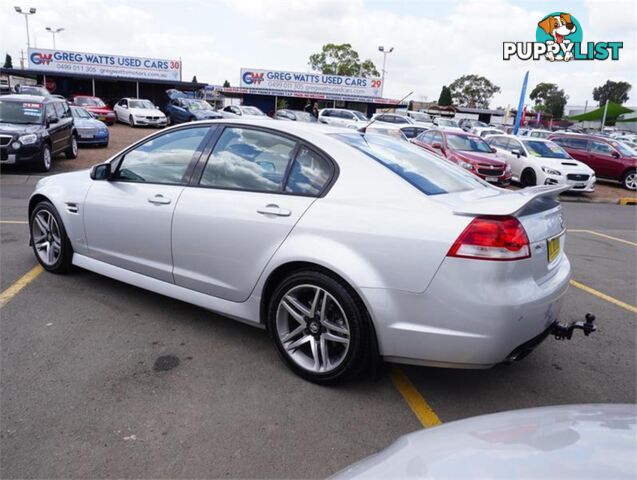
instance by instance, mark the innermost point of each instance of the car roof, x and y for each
(27, 97)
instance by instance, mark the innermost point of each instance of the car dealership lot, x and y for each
(84, 397)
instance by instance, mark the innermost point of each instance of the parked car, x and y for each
(35, 129)
(342, 118)
(377, 247)
(468, 151)
(412, 131)
(397, 119)
(138, 112)
(423, 118)
(467, 124)
(37, 90)
(566, 442)
(243, 111)
(484, 131)
(180, 108)
(447, 124)
(96, 106)
(539, 133)
(536, 161)
(294, 115)
(387, 129)
(609, 158)
(90, 131)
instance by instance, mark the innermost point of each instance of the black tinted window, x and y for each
(163, 159)
(309, 173)
(247, 159)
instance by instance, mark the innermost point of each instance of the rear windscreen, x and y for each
(430, 174)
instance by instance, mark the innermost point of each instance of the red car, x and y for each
(608, 157)
(96, 106)
(469, 151)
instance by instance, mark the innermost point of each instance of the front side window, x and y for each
(163, 159)
(359, 116)
(427, 137)
(624, 149)
(600, 148)
(50, 112)
(309, 173)
(246, 159)
(59, 109)
(430, 174)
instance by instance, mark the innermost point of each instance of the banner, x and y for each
(518, 116)
(61, 62)
(309, 83)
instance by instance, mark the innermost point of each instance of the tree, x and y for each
(194, 79)
(473, 91)
(445, 97)
(549, 98)
(613, 91)
(342, 60)
(226, 83)
(8, 62)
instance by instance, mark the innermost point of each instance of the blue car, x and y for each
(181, 108)
(90, 131)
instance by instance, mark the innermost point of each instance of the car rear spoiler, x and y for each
(509, 202)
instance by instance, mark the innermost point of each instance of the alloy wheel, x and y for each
(46, 158)
(313, 328)
(74, 146)
(631, 181)
(46, 237)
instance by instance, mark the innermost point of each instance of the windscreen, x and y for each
(428, 173)
(252, 111)
(80, 113)
(545, 149)
(89, 102)
(141, 104)
(20, 112)
(468, 144)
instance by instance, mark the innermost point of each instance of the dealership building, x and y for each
(109, 77)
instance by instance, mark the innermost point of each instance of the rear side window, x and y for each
(247, 159)
(428, 173)
(310, 173)
(574, 143)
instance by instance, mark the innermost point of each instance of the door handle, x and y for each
(273, 209)
(159, 199)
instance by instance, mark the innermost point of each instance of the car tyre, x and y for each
(131, 121)
(528, 178)
(49, 240)
(43, 162)
(325, 338)
(629, 180)
(169, 120)
(72, 150)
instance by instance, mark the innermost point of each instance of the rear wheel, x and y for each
(528, 178)
(71, 151)
(319, 326)
(50, 243)
(629, 180)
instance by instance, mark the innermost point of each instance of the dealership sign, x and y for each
(309, 83)
(62, 61)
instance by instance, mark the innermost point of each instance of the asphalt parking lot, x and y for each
(83, 394)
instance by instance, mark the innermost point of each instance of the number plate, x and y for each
(491, 179)
(553, 248)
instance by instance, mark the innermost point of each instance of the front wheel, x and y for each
(43, 162)
(51, 245)
(629, 181)
(528, 178)
(71, 151)
(131, 121)
(319, 326)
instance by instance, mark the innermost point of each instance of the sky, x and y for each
(434, 42)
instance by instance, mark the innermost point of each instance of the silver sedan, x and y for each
(344, 245)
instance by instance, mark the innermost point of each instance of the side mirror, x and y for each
(436, 145)
(52, 120)
(101, 172)
(517, 152)
(493, 150)
(125, 106)
(615, 154)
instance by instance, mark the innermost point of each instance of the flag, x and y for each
(518, 116)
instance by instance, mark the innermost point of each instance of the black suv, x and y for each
(33, 129)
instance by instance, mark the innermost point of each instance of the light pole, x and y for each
(53, 32)
(26, 19)
(385, 53)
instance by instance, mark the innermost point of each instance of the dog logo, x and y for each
(554, 28)
(559, 37)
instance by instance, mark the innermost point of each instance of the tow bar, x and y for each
(565, 332)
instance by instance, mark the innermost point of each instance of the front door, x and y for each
(128, 218)
(248, 199)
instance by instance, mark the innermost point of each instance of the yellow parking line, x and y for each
(14, 289)
(603, 235)
(414, 399)
(603, 296)
(21, 222)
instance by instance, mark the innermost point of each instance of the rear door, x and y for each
(252, 189)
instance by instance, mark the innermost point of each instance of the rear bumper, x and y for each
(473, 315)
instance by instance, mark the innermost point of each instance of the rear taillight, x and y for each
(492, 238)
